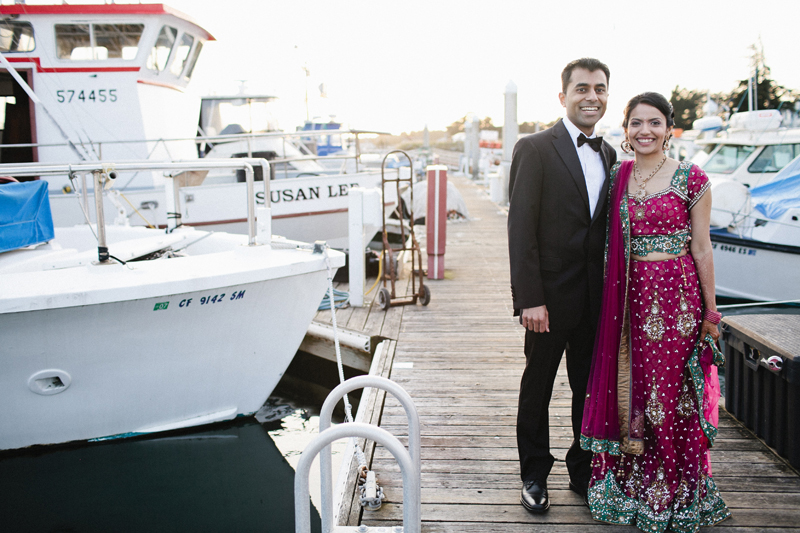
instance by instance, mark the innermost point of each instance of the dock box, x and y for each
(762, 378)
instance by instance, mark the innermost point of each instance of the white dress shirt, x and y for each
(594, 171)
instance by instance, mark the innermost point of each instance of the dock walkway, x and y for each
(460, 358)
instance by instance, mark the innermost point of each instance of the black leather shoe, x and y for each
(534, 496)
(581, 490)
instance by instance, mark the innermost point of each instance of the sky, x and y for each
(399, 66)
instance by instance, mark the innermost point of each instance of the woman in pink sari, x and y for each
(646, 413)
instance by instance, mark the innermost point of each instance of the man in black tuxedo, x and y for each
(556, 235)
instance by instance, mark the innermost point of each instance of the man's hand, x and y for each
(536, 319)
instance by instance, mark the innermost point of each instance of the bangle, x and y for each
(712, 316)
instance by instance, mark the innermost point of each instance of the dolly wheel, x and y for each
(424, 295)
(384, 298)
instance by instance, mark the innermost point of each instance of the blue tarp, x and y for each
(25, 216)
(776, 197)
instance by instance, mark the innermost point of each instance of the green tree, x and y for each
(769, 95)
(688, 105)
(456, 126)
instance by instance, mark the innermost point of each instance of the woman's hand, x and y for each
(709, 328)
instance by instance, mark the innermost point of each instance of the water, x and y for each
(237, 476)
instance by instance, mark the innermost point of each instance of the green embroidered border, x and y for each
(699, 382)
(643, 245)
(608, 503)
(600, 445)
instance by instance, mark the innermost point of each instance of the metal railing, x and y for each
(409, 461)
(294, 140)
(103, 171)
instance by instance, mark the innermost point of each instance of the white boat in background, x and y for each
(751, 151)
(757, 238)
(110, 83)
(137, 331)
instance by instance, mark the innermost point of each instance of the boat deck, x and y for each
(460, 358)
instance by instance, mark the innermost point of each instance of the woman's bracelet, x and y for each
(712, 316)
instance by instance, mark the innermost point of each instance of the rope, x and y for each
(348, 410)
(340, 299)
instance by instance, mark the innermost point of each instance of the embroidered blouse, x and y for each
(661, 223)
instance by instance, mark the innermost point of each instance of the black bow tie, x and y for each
(594, 143)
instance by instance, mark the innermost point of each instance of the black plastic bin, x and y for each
(762, 378)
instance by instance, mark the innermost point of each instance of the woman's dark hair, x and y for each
(652, 99)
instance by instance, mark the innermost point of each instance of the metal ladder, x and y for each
(409, 460)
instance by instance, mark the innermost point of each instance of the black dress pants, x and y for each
(543, 354)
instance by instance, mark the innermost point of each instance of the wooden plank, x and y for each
(349, 512)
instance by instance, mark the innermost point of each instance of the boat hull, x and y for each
(133, 372)
(151, 346)
(755, 270)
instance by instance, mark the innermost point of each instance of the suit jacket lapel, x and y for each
(604, 190)
(566, 150)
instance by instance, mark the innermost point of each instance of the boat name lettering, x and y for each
(66, 96)
(185, 302)
(303, 193)
(733, 249)
(212, 299)
(161, 305)
(237, 295)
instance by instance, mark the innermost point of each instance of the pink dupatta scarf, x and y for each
(600, 431)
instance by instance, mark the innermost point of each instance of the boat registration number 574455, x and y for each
(66, 96)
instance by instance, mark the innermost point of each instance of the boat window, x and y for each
(117, 41)
(159, 55)
(73, 41)
(86, 42)
(728, 158)
(182, 54)
(774, 157)
(16, 37)
(193, 61)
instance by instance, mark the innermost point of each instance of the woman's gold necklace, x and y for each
(638, 197)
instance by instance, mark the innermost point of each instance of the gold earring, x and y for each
(666, 144)
(626, 146)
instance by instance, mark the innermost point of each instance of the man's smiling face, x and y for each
(586, 98)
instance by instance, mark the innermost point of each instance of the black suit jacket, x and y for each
(555, 246)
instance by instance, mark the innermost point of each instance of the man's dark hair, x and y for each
(652, 99)
(588, 63)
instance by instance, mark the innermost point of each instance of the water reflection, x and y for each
(231, 477)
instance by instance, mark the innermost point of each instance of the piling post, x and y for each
(436, 220)
(510, 134)
(475, 146)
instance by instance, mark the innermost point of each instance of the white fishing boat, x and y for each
(137, 330)
(757, 238)
(108, 82)
(751, 151)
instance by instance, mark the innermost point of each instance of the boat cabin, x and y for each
(106, 77)
(753, 149)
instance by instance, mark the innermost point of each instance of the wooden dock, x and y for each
(460, 358)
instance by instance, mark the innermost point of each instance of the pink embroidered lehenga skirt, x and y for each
(669, 486)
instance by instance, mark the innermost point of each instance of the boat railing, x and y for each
(292, 139)
(409, 461)
(104, 171)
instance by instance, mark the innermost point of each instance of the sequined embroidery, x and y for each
(685, 403)
(685, 322)
(654, 325)
(655, 409)
(642, 245)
